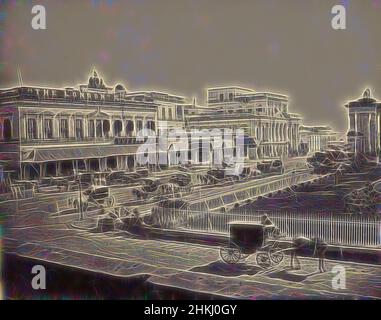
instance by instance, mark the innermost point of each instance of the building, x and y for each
(55, 132)
(270, 130)
(315, 138)
(364, 131)
(46, 132)
(169, 107)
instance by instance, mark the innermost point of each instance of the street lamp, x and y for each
(80, 196)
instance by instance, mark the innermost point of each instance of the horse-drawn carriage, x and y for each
(95, 196)
(170, 187)
(271, 167)
(218, 176)
(252, 238)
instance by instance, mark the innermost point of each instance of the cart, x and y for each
(252, 238)
(95, 196)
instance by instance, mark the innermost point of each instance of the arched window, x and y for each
(151, 125)
(118, 126)
(129, 127)
(106, 128)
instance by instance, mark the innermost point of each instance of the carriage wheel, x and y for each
(263, 260)
(230, 255)
(276, 256)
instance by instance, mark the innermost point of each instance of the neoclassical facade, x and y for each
(52, 132)
(49, 132)
(264, 117)
(315, 138)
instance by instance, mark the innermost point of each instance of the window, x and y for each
(170, 114)
(221, 97)
(7, 130)
(32, 129)
(151, 125)
(230, 96)
(163, 113)
(48, 128)
(98, 128)
(79, 128)
(130, 127)
(91, 129)
(139, 125)
(179, 112)
(64, 129)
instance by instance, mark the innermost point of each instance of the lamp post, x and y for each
(80, 196)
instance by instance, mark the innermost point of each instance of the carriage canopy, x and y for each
(248, 236)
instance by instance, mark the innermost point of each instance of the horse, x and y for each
(139, 194)
(314, 247)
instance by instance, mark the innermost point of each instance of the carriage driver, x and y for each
(270, 228)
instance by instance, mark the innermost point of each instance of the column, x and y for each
(85, 127)
(39, 124)
(124, 123)
(134, 121)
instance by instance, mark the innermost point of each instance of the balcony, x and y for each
(128, 140)
(125, 140)
(54, 141)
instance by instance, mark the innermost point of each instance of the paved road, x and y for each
(31, 232)
(190, 267)
(187, 266)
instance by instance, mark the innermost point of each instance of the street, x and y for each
(178, 265)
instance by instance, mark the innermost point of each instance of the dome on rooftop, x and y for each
(119, 88)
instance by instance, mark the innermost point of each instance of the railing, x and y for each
(127, 140)
(252, 189)
(67, 140)
(349, 230)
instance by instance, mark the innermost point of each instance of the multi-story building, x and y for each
(315, 138)
(169, 107)
(271, 131)
(49, 132)
(94, 127)
(364, 131)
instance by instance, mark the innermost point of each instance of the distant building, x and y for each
(271, 131)
(315, 138)
(364, 132)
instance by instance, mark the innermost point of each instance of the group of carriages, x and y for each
(227, 174)
(365, 200)
(174, 186)
(94, 188)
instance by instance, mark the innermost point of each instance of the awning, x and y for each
(78, 152)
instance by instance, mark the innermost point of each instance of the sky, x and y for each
(185, 46)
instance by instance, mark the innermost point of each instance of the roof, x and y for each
(365, 101)
(55, 154)
(230, 87)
